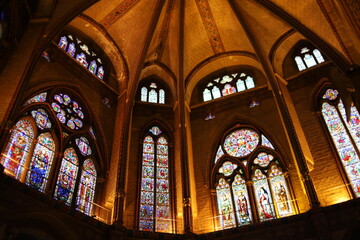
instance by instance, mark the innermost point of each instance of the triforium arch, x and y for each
(53, 147)
(155, 201)
(249, 179)
(342, 130)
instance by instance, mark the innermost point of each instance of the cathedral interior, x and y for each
(179, 119)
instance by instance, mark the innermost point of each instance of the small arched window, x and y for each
(226, 85)
(345, 135)
(248, 169)
(54, 132)
(308, 57)
(87, 57)
(151, 92)
(155, 212)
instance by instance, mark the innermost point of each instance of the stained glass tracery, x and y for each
(152, 93)
(308, 58)
(241, 142)
(37, 98)
(270, 189)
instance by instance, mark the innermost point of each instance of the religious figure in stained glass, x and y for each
(87, 185)
(17, 149)
(345, 135)
(67, 176)
(41, 162)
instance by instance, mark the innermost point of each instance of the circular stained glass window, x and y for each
(68, 111)
(241, 142)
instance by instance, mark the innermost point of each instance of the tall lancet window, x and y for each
(249, 172)
(345, 134)
(155, 196)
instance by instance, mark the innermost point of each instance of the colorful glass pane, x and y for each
(38, 98)
(227, 168)
(81, 58)
(263, 196)
(161, 96)
(46, 55)
(56, 107)
(241, 199)
(241, 142)
(207, 95)
(263, 159)
(153, 85)
(59, 99)
(41, 118)
(155, 130)
(16, 152)
(280, 192)
(100, 73)
(147, 186)
(153, 98)
(228, 89)
(225, 205)
(71, 123)
(87, 186)
(93, 67)
(249, 82)
(63, 43)
(265, 142)
(41, 162)
(353, 125)
(163, 214)
(331, 94)
(342, 141)
(68, 111)
(71, 50)
(83, 145)
(144, 94)
(67, 176)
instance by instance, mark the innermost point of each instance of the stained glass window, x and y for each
(241, 142)
(161, 96)
(67, 176)
(241, 199)
(219, 154)
(71, 50)
(83, 145)
(68, 112)
(225, 205)
(270, 189)
(345, 136)
(226, 85)
(41, 118)
(38, 98)
(281, 192)
(308, 58)
(16, 152)
(263, 196)
(85, 195)
(209, 116)
(144, 94)
(83, 54)
(155, 207)
(41, 162)
(152, 93)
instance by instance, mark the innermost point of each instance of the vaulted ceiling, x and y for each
(184, 40)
